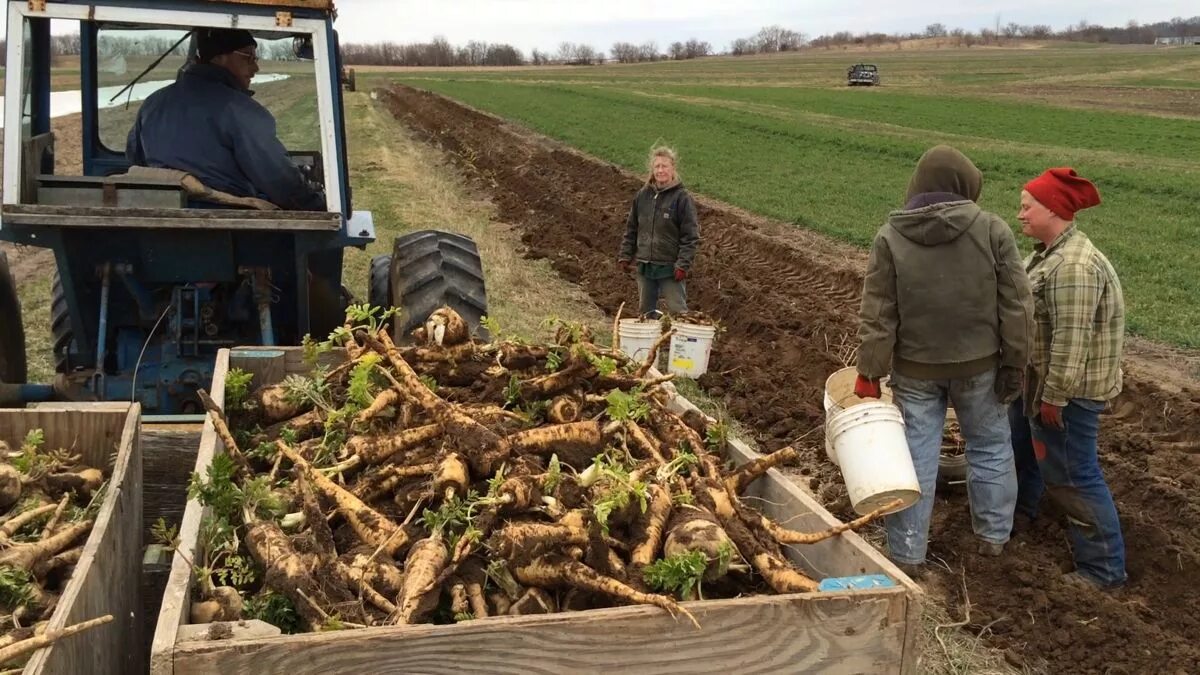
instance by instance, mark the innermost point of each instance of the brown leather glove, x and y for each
(1009, 382)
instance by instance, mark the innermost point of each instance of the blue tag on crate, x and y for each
(858, 583)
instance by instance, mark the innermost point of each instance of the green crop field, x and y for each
(782, 136)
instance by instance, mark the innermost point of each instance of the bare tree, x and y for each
(694, 49)
(648, 51)
(935, 30)
(677, 51)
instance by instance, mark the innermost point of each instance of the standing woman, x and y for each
(661, 236)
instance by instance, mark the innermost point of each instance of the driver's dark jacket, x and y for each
(205, 125)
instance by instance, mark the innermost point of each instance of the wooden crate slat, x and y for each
(106, 578)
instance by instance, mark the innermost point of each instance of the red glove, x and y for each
(680, 275)
(1051, 415)
(626, 265)
(866, 388)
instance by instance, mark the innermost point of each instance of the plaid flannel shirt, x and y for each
(1080, 322)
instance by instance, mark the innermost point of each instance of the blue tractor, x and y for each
(152, 278)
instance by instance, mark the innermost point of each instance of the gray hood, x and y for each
(937, 224)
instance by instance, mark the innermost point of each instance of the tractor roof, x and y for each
(283, 5)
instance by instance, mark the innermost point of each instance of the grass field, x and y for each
(782, 136)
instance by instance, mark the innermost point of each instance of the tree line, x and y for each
(1132, 32)
(768, 40)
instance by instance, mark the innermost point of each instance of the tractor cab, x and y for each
(156, 272)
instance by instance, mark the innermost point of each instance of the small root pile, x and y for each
(50, 500)
(456, 480)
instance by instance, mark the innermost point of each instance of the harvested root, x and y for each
(786, 536)
(556, 474)
(558, 571)
(748, 472)
(446, 328)
(425, 561)
(18, 649)
(650, 529)
(371, 526)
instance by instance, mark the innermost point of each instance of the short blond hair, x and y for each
(660, 150)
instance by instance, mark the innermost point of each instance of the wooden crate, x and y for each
(851, 631)
(106, 579)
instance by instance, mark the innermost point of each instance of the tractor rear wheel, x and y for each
(379, 286)
(432, 268)
(13, 367)
(60, 325)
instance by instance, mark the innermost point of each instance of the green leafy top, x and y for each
(616, 489)
(237, 388)
(313, 350)
(165, 535)
(554, 360)
(32, 461)
(512, 391)
(218, 490)
(370, 318)
(717, 437)
(363, 381)
(683, 461)
(679, 574)
(16, 586)
(624, 406)
(553, 475)
(274, 608)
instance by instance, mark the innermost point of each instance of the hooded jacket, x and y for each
(205, 125)
(945, 295)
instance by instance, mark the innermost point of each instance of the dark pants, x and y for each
(1064, 465)
(673, 292)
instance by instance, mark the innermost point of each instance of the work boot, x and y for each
(990, 550)
(914, 572)
(1086, 583)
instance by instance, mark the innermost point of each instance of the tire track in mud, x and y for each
(788, 302)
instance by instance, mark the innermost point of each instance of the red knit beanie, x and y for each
(1063, 191)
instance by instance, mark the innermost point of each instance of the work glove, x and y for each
(626, 265)
(1051, 416)
(866, 388)
(1009, 382)
(680, 275)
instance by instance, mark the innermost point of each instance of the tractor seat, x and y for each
(118, 191)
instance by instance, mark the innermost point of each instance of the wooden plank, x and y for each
(168, 455)
(207, 219)
(105, 580)
(176, 601)
(792, 633)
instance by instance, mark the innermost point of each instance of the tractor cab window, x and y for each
(284, 85)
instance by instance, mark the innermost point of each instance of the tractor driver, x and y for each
(207, 124)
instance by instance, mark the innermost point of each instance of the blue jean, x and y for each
(1065, 466)
(991, 477)
(674, 292)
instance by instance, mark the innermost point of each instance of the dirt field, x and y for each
(787, 300)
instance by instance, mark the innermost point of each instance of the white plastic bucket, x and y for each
(637, 337)
(868, 440)
(839, 395)
(690, 347)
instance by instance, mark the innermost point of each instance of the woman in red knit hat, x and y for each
(1075, 370)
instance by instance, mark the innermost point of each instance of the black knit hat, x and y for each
(213, 42)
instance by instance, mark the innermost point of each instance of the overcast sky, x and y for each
(544, 23)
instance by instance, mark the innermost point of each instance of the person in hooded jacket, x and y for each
(207, 124)
(947, 313)
(661, 235)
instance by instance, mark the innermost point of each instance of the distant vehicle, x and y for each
(866, 74)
